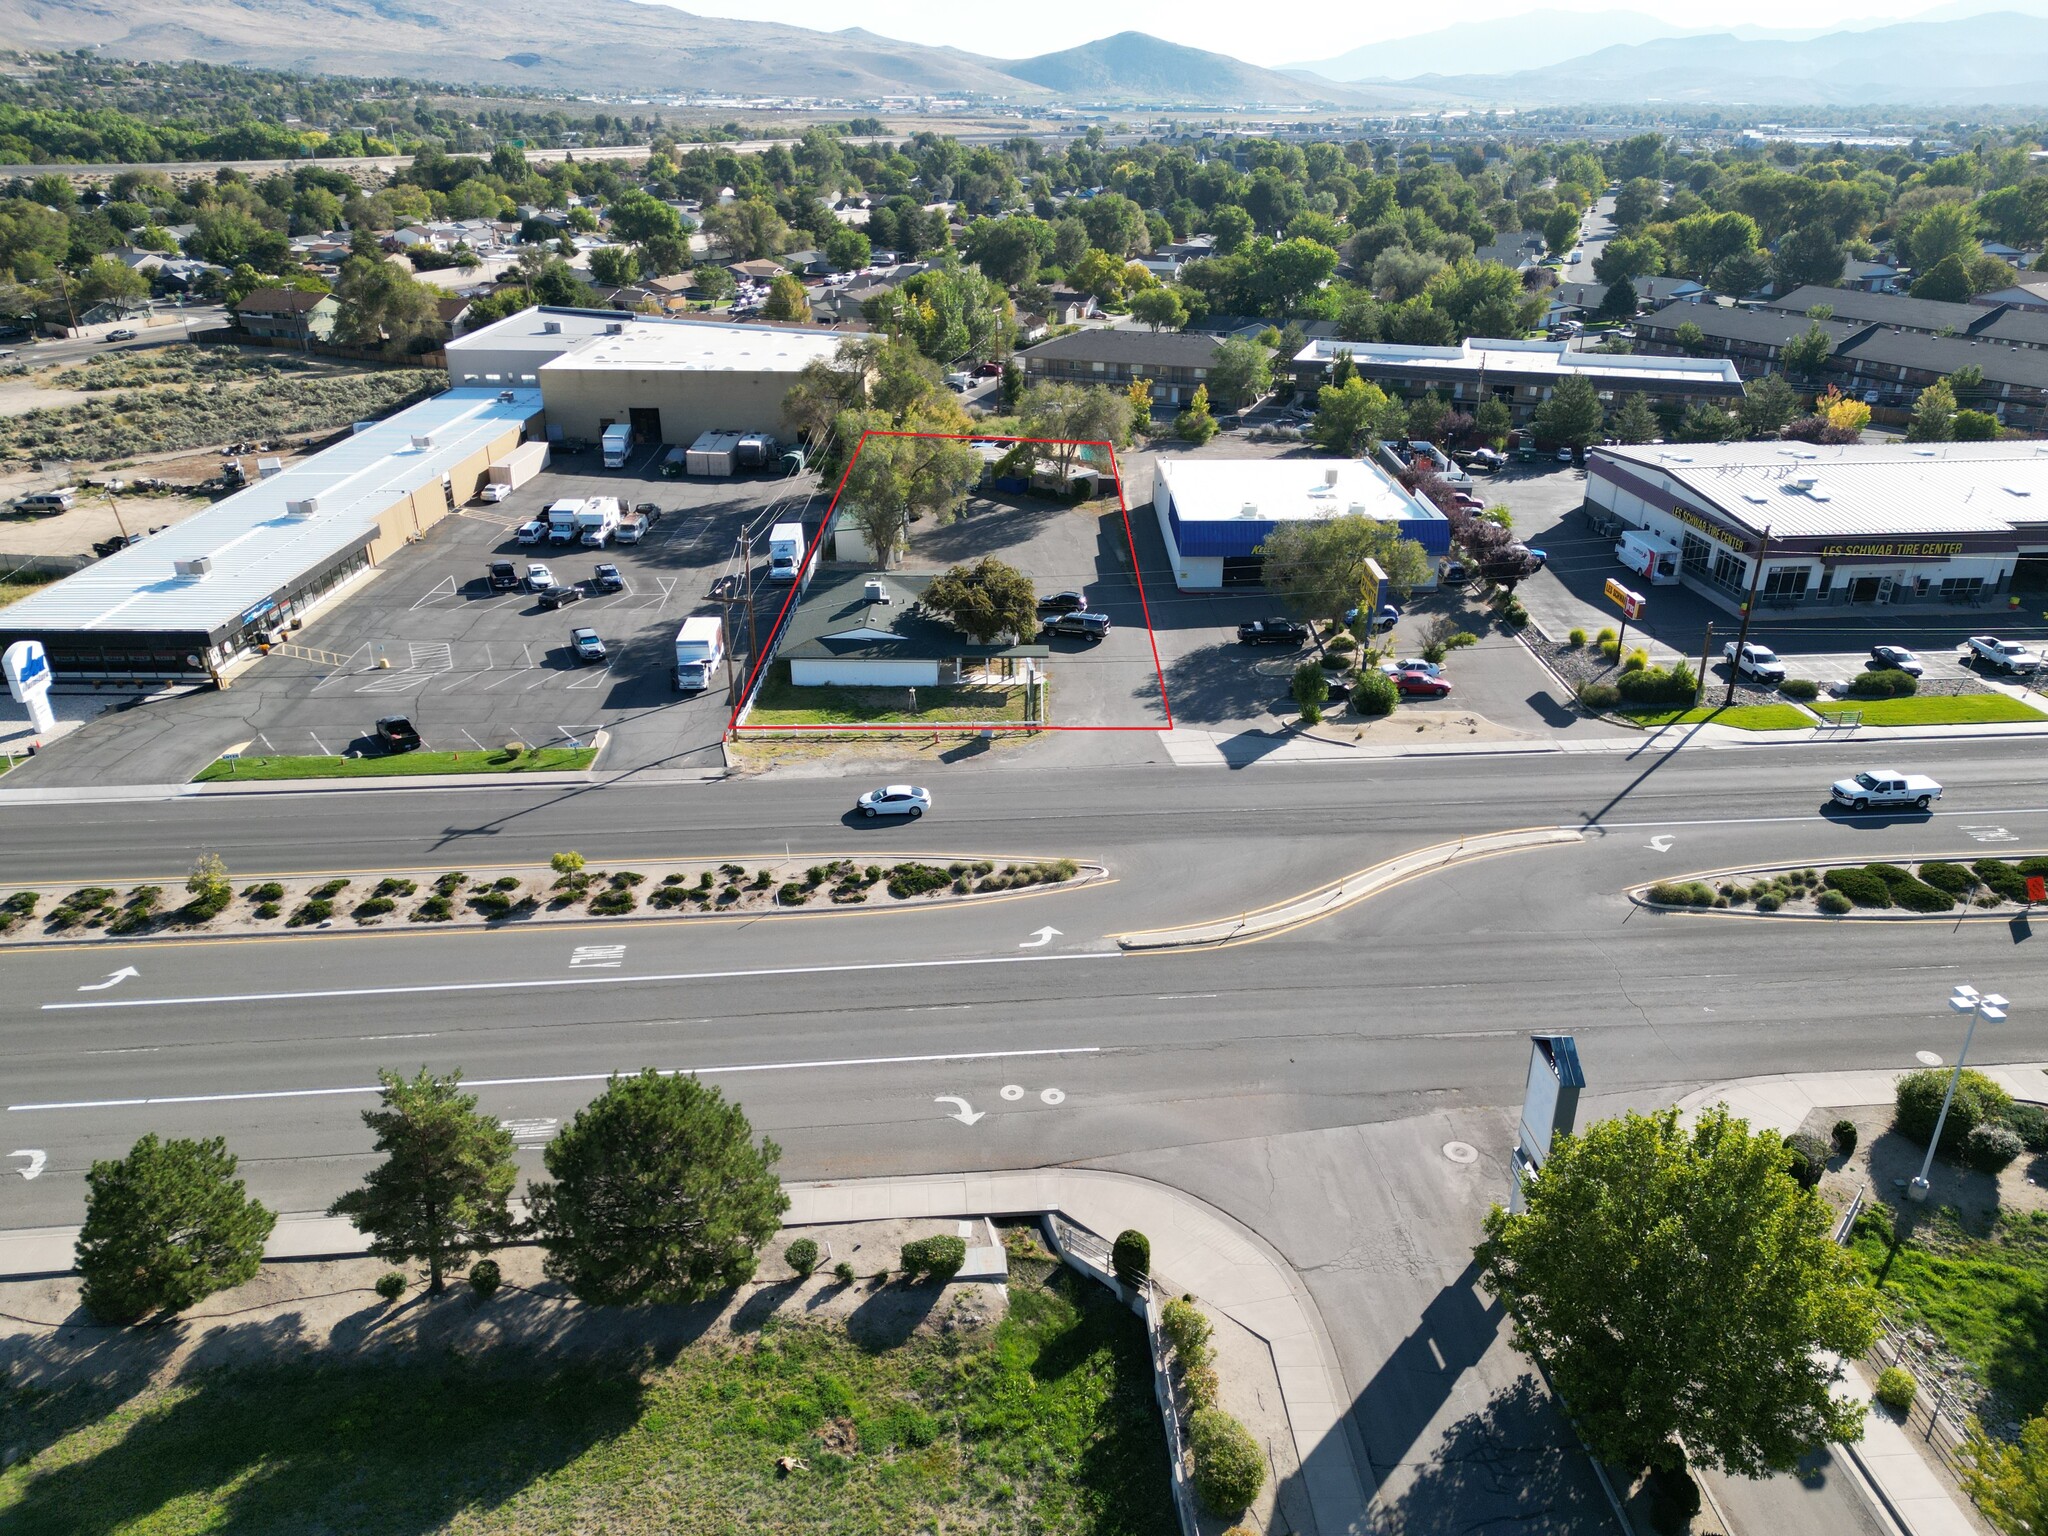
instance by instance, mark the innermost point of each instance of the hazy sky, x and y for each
(1312, 31)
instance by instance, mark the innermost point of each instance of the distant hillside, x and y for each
(1133, 66)
(1528, 41)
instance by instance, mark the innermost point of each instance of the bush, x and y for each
(792, 894)
(1883, 683)
(1843, 1134)
(1576, 639)
(1834, 903)
(2002, 877)
(1989, 1147)
(1187, 1329)
(2030, 1123)
(1860, 886)
(485, 1277)
(1130, 1256)
(1809, 1159)
(1201, 1384)
(1944, 876)
(1373, 693)
(1770, 901)
(1340, 645)
(843, 1272)
(1229, 1471)
(906, 880)
(1895, 1388)
(313, 910)
(1978, 1101)
(1804, 689)
(391, 1284)
(1607, 637)
(939, 1258)
(371, 908)
(435, 909)
(613, 901)
(1599, 696)
(1610, 648)
(1681, 893)
(1655, 685)
(1637, 660)
(269, 890)
(801, 1256)
(1674, 1500)
(393, 886)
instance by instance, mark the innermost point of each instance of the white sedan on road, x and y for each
(896, 800)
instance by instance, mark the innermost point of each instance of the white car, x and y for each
(1757, 661)
(895, 800)
(539, 578)
(494, 493)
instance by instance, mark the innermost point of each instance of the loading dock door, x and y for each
(646, 424)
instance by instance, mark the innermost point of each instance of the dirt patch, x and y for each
(1405, 727)
(1884, 1162)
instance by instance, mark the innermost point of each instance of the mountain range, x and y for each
(1961, 58)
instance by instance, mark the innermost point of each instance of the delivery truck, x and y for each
(598, 521)
(785, 551)
(562, 524)
(618, 443)
(700, 651)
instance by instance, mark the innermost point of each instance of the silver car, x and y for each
(895, 800)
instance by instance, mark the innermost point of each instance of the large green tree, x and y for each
(1768, 403)
(1572, 414)
(1318, 567)
(165, 1227)
(1071, 420)
(985, 601)
(1634, 422)
(1678, 1282)
(381, 306)
(903, 471)
(1561, 228)
(1350, 414)
(1159, 307)
(2009, 1479)
(1807, 353)
(440, 1195)
(1240, 374)
(1934, 414)
(1808, 255)
(657, 1192)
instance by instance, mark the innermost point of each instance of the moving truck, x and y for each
(598, 520)
(562, 526)
(518, 466)
(785, 551)
(1657, 563)
(700, 651)
(714, 453)
(618, 443)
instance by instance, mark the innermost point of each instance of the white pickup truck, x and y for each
(1885, 789)
(2005, 655)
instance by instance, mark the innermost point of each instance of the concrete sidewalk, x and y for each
(1195, 1247)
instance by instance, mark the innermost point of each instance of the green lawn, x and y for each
(1743, 717)
(781, 702)
(1043, 1423)
(399, 765)
(1949, 709)
(1986, 1298)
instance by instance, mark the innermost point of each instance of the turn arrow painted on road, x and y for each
(966, 1114)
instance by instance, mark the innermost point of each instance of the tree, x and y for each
(1767, 404)
(1679, 1282)
(2010, 1481)
(1140, 395)
(1844, 413)
(1159, 307)
(1742, 273)
(381, 306)
(1492, 420)
(1010, 250)
(637, 216)
(985, 601)
(1099, 274)
(1705, 422)
(1561, 228)
(439, 1197)
(1232, 227)
(1689, 338)
(1635, 422)
(165, 1227)
(1619, 302)
(1484, 298)
(1195, 423)
(714, 282)
(1942, 231)
(1704, 240)
(748, 227)
(1571, 416)
(616, 266)
(898, 477)
(662, 256)
(848, 250)
(1627, 257)
(1319, 568)
(1240, 374)
(1071, 418)
(1807, 353)
(1946, 282)
(1311, 690)
(657, 1192)
(1347, 415)
(1808, 255)
(1975, 427)
(108, 277)
(1934, 413)
(786, 299)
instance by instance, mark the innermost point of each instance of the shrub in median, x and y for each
(371, 908)
(1917, 1105)
(1656, 685)
(1682, 893)
(1229, 1471)
(1905, 891)
(1576, 639)
(1860, 886)
(2003, 878)
(801, 1256)
(1833, 903)
(1895, 1388)
(1373, 693)
(1944, 876)
(906, 880)
(1989, 1148)
(1599, 696)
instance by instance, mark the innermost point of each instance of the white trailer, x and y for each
(715, 453)
(562, 524)
(618, 445)
(599, 520)
(518, 466)
(700, 651)
(785, 551)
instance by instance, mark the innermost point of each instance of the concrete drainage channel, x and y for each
(1351, 889)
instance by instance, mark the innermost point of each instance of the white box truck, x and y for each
(785, 551)
(598, 521)
(1654, 562)
(714, 453)
(700, 652)
(562, 525)
(518, 466)
(618, 443)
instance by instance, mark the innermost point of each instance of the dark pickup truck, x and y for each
(1272, 632)
(395, 734)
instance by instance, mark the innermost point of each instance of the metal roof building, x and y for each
(187, 603)
(1853, 523)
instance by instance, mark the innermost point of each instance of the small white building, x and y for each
(869, 629)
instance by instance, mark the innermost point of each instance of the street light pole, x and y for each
(1965, 999)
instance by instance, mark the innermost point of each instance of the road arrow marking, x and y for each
(112, 981)
(1040, 938)
(967, 1114)
(1662, 843)
(35, 1163)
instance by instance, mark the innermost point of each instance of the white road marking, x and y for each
(966, 1114)
(573, 1077)
(1052, 1096)
(112, 981)
(433, 655)
(428, 1036)
(1990, 835)
(472, 740)
(591, 679)
(445, 587)
(429, 988)
(1040, 937)
(35, 1162)
(508, 677)
(531, 1133)
(1661, 844)
(321, 745)
(599, 956)
(460, 678)
(1013, 1092)
(267, 746)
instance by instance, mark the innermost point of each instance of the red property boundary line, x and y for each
(961, 727)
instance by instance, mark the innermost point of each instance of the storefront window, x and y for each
(1961, 589)
(1730, 571)
(1786, 583)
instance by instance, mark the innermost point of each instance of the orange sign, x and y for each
(1630, 603)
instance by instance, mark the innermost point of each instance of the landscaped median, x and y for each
(246, 770)
(1942, 888)
(567, 889)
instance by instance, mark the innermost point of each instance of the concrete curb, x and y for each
(1352, 888)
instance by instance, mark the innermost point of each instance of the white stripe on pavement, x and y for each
(575, 1077)
(572, 981)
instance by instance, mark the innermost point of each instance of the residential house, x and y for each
(870, 629)
(453, 313)
(1070, 306)
(2027, 293)
(287, 314)
(1174, 364)
(1871, 276)
(1520, 251)
(761, 270)
(807, 263)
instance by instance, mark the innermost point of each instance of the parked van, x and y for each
(700, 650)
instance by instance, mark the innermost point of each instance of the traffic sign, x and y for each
(2037, 889)
(1630, 603)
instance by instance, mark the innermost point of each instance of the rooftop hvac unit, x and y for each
(551, 327)
(193, 569)
(615, 328)
(305, 506)
(506, 396)
(1802, 482)
(1356, 509)
(876, 592)
(1330, 476)
(265, 468)
(1249, 509)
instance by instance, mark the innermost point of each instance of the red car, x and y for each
(989, 371)
(1420, 685)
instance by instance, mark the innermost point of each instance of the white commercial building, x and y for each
(1859, 523)
(1215, 513)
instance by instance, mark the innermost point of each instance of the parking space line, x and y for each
(508, 677)
(266, 742)
(535, 683)
(321, 745)
(477, 744)
(445, 587)
(432, 656)
(460, 678)
(592, 680)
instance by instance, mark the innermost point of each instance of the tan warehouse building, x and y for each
(669, 380)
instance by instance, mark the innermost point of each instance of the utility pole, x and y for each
(1706, 661)
(747, 577)
(1756, 575)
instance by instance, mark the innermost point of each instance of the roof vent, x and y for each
(304, 507)
(551, 327)
(615, 328)
(1330, 476)
(421, 441)
(2018, 490)
(265, 468)
(506, 396)
(1802, 482)
(198, 567)
(876, 592)
(1250, 510)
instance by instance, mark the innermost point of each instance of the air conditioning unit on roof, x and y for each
(304, 507)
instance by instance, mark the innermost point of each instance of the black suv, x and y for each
(503, 576)
(1062, 602)
(1088, 626)
(606, 578)
(1272, 632)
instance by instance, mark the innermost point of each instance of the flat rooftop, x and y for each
(1505, 358)
(604, 338)
(1287, 490)
(1859, 489)
(257, 548)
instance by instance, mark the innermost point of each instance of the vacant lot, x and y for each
(1042, 1422)
(780, 702)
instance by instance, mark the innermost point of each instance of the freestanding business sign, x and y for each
(28, 680)
(1630, 603)
(1550, 1104)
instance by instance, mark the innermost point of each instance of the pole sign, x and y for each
(2037, 890)
(1630, 603)
(28, 680)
